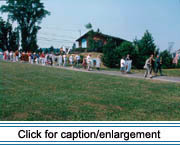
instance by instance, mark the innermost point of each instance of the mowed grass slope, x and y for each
(35, 93)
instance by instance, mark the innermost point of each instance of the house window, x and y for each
(84, 43)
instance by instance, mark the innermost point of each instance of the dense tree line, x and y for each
(28, 14)
(139, 51)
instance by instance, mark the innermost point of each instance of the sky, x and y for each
(126, 19)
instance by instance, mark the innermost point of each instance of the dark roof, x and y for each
(100, 34)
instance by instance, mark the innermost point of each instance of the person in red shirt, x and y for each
(42, 58)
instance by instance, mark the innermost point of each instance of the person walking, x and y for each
(29, 57)
(148, 67)
(89, 62)
(11, 56)
(71, 60)
(158, 64)
(98, 62)
(60, 60)
(123, 65)
(46, 58)
(128, 64)
(84, 64)
(152, 65)
(17, 55)
(65, 60)
(77, 60)
(43, 59)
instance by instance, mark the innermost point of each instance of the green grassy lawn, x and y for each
(35, 93)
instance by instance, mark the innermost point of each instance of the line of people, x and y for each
(52, 59)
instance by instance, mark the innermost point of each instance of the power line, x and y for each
(55, 35)
(58, 40)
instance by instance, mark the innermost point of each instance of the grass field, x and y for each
(35, 93)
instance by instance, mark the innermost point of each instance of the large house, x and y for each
(98, 37)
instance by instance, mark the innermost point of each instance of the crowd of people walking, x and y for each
(52, 59)
(152, 64)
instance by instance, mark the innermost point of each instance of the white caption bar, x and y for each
(86, 133)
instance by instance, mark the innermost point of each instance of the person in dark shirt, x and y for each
(158, 64)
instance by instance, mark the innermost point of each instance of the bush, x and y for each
(145, 47)
(127, 48)
(110, 57)
(139, 51)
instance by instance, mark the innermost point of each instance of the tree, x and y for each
(3, 35)
(88, 26)
(145, 47)
(14, 40)
(127, 48)
(46, 51)
(9, 38)
(166, 59)
(91, 41)
(110, 57)
(51, 49)
(28, 14)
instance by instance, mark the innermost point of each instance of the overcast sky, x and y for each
(126, 19)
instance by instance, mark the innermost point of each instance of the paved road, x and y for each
(133, 75)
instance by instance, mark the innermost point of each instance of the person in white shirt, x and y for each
(60, 60)
(7, 53)
(71, 60)
(14, 57)
(123, 65)
(77, 61)
(65, 60)
(89, 62)
(20, 53)
(98, 62)
(128, 64)
(11, 56)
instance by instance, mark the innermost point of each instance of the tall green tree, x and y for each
(110, 56)
(9, 38)
(167, 59)
(127, 48)
(91, 41)
(88, 26)
(14, 40)
(145, 48)
(28, 14)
